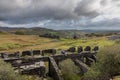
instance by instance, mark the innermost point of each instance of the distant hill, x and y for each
(100, 31)
(10, 29)
(42, 31)
(60, 33)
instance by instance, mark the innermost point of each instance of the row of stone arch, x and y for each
(80, 49)
(49, 51)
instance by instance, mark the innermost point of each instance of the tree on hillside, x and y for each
(20, 32)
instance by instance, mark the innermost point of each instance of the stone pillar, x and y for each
(42, 70)
(88, 61)
(17, 54)
(42, 52)
(80, 49)
(54, 71)
(36, 52)
(53, 51)
(87, 48)
(96, 48)
(84, 68)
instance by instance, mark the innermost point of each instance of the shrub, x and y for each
(69, 70)
(117, 41)
(6, 72)
(108, 64)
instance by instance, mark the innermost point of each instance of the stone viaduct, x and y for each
(83, 58)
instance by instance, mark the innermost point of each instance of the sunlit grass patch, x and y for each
(10, 46)
(101, 42)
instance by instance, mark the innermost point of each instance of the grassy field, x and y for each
(17, 42)
(11, 42)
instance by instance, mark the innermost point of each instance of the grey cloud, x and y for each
(55, 13)
(47, 9)
(84, 8)
(104, 2)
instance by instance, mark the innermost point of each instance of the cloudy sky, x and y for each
(61, 14)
